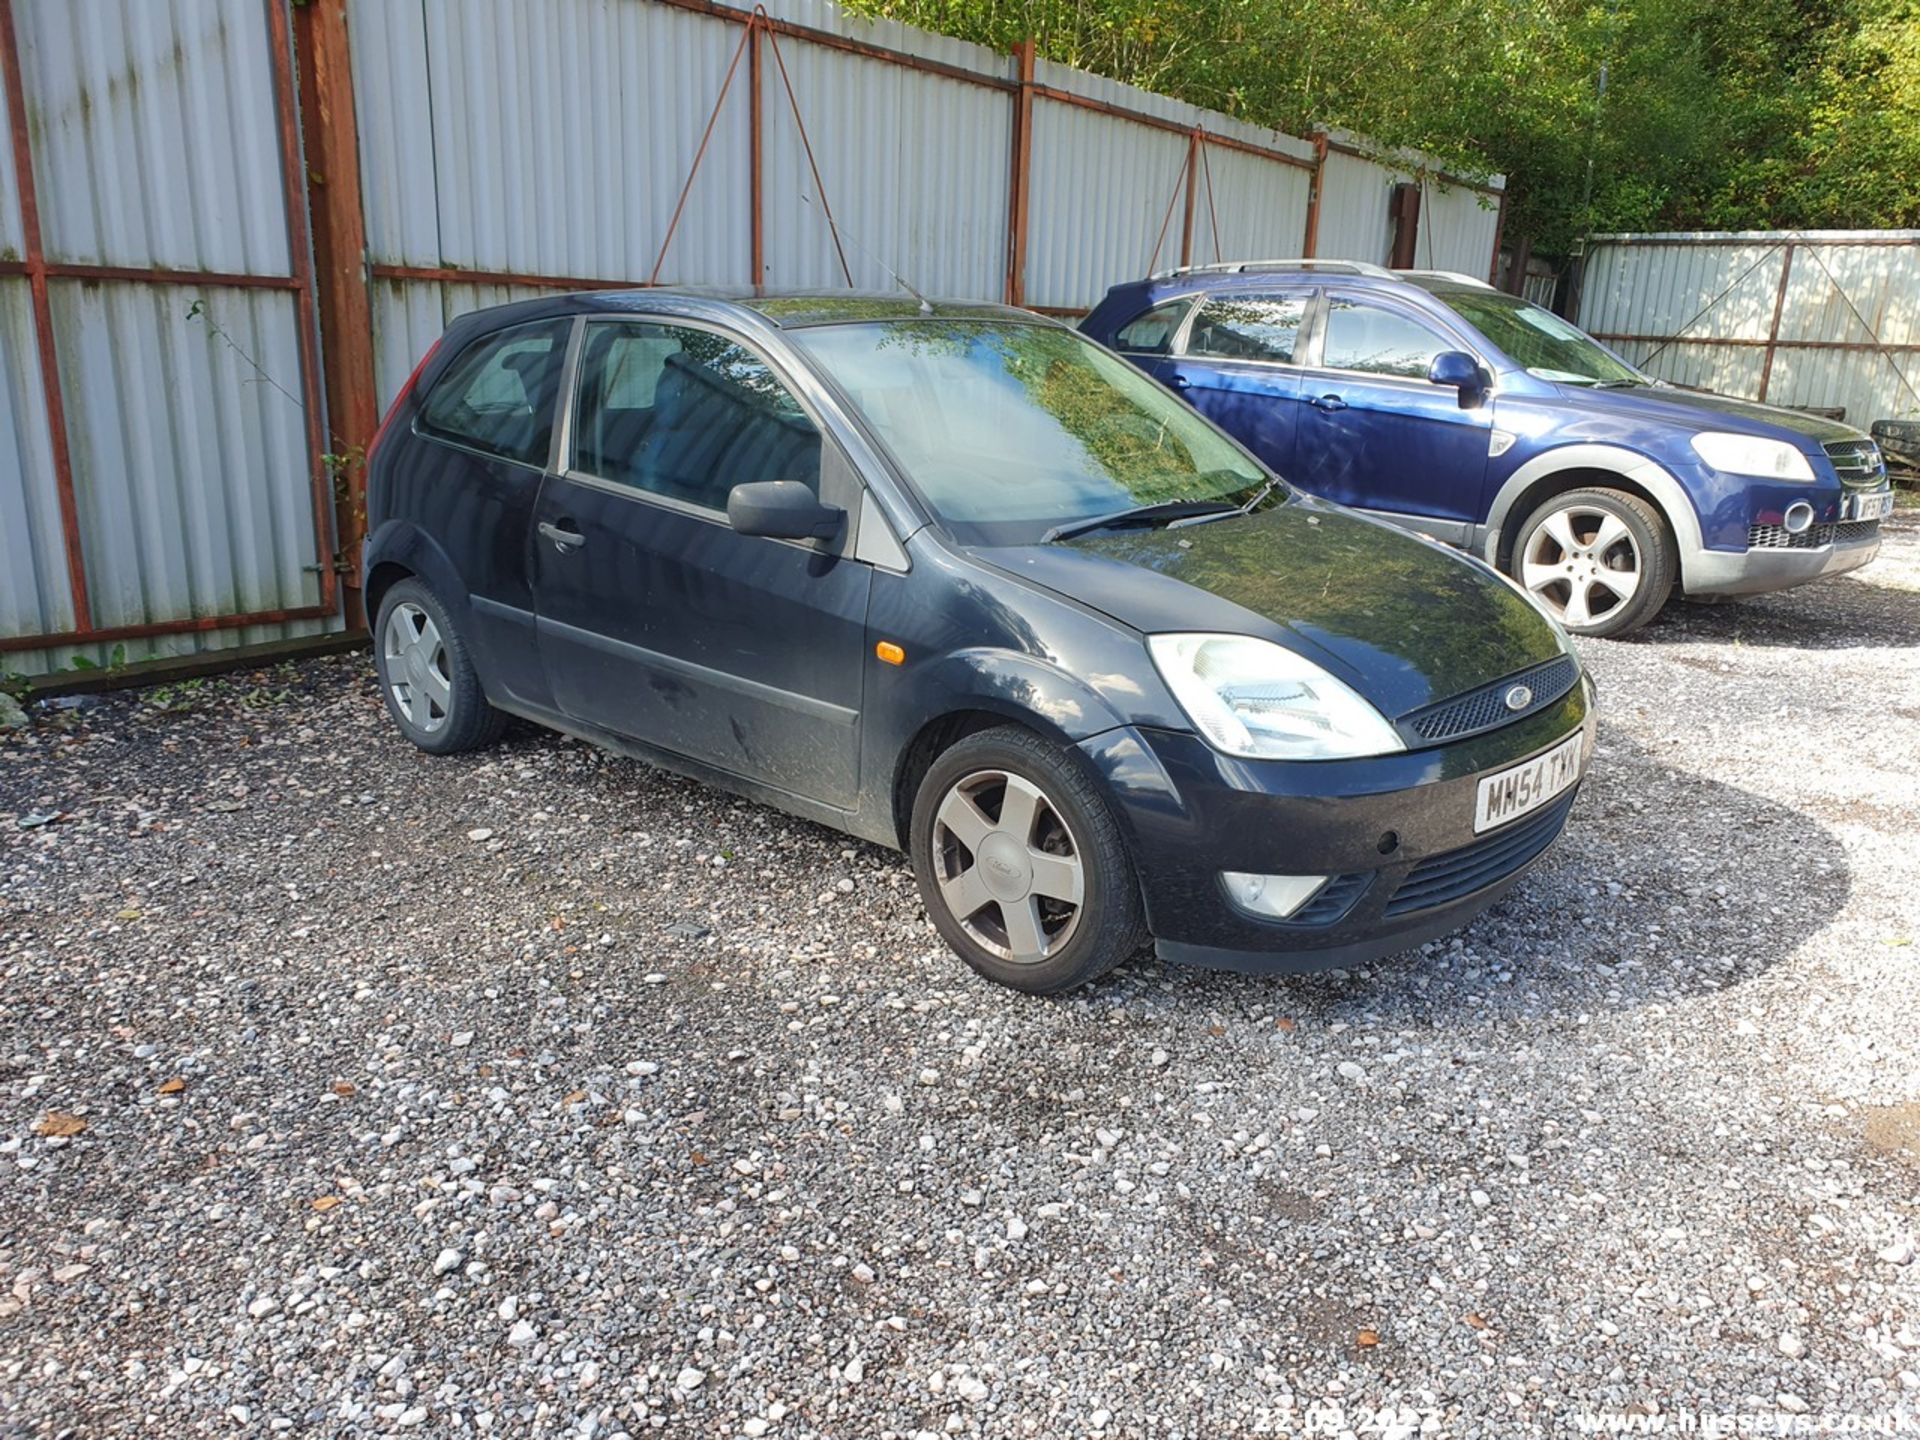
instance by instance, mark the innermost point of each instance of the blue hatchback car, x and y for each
(1439, 403)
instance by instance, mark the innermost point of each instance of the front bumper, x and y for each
(1398, 829)
(1763, 568)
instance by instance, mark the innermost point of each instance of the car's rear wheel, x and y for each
(1601, 560)
(1022, 865)
(426, 675)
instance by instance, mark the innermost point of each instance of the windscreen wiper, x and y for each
(1160, 511)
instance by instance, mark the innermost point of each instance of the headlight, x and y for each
(1251, 697)
(1752, 455)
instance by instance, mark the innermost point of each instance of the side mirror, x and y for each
(1458, 370)
(782, 510)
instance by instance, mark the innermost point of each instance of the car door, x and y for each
(1374, 432)
(489, 423)
(656, 620)
(1236, 365)
(1148, 339)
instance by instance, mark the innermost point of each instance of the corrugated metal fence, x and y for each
(1818, 318)
(165, 398)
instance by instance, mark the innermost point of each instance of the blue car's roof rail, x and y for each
(1454, 275)
(1241, 267)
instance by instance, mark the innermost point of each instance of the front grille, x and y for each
(1776, 537)
(1333, 902)
(1486, 708)
(1459, 873)
(1858, 462)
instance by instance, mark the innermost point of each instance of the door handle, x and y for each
(1328, 403)
(1178, 382)
(565, 538)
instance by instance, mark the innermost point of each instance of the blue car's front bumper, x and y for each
(1396, 831)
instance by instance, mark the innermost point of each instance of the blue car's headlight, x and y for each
(1753, 455)
(1254, 698)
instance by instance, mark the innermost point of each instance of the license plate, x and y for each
(1872, 505)
(1527, 786)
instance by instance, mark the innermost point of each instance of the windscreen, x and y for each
(1539, 341)
(1007, 430)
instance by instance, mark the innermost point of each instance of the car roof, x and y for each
(783, 309)
(1361, 274)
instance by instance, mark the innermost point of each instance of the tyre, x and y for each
(427, 677)
(1603, 561)
(1022, 865)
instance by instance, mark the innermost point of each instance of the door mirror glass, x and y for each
(782, 510)
(1457, 370)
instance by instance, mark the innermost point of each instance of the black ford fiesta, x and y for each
(955, 579)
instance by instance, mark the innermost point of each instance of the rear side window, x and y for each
(687, 414)
(1379, 342)
(1249, 327)
(499, 395)
(1152, 333)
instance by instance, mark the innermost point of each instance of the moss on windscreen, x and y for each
(1135, 435)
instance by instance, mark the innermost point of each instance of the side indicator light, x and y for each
(890, 652)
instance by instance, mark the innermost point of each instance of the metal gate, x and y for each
(163, 484)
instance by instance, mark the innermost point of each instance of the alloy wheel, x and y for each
(1007, 866)
(418, 673)
(1583, 563)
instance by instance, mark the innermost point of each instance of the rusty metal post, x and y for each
(286, 86)
(1499, 230)
(36, 272)
(1773, 330)
(1021, 176)
(1193, 189)
(1310, 244)
(339, 227)
(756, 173)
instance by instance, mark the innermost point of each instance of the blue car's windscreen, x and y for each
(1008, 430)
(1539, 341)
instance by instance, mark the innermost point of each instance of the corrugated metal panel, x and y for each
(914, 165)
(561, 133)
(892, 35)
(409, 315)
(33, 574)
(1659, 285)
(1629, 290)
(1262, 207)
(189, 450)
(12, 242)
(1101, 188)
(1728, 369)
(1353, 210)
(154, 133)
(1457, 227)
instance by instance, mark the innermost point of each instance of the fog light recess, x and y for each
(1799, 518)
(1274, 896)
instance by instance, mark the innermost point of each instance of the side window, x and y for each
(1152, 332)
(1380, 342)
(499, 395)
(686, 414)
(1248, 327)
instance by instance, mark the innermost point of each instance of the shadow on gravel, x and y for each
(1664, 885)
(1838, 614)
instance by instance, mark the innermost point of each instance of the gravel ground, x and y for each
(538, 1093)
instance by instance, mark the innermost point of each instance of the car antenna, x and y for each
(926, 305)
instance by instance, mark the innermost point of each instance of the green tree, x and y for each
(1758, 114)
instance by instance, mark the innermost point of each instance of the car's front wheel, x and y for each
(1022, 865)
(426, 675)
(1601, 560)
